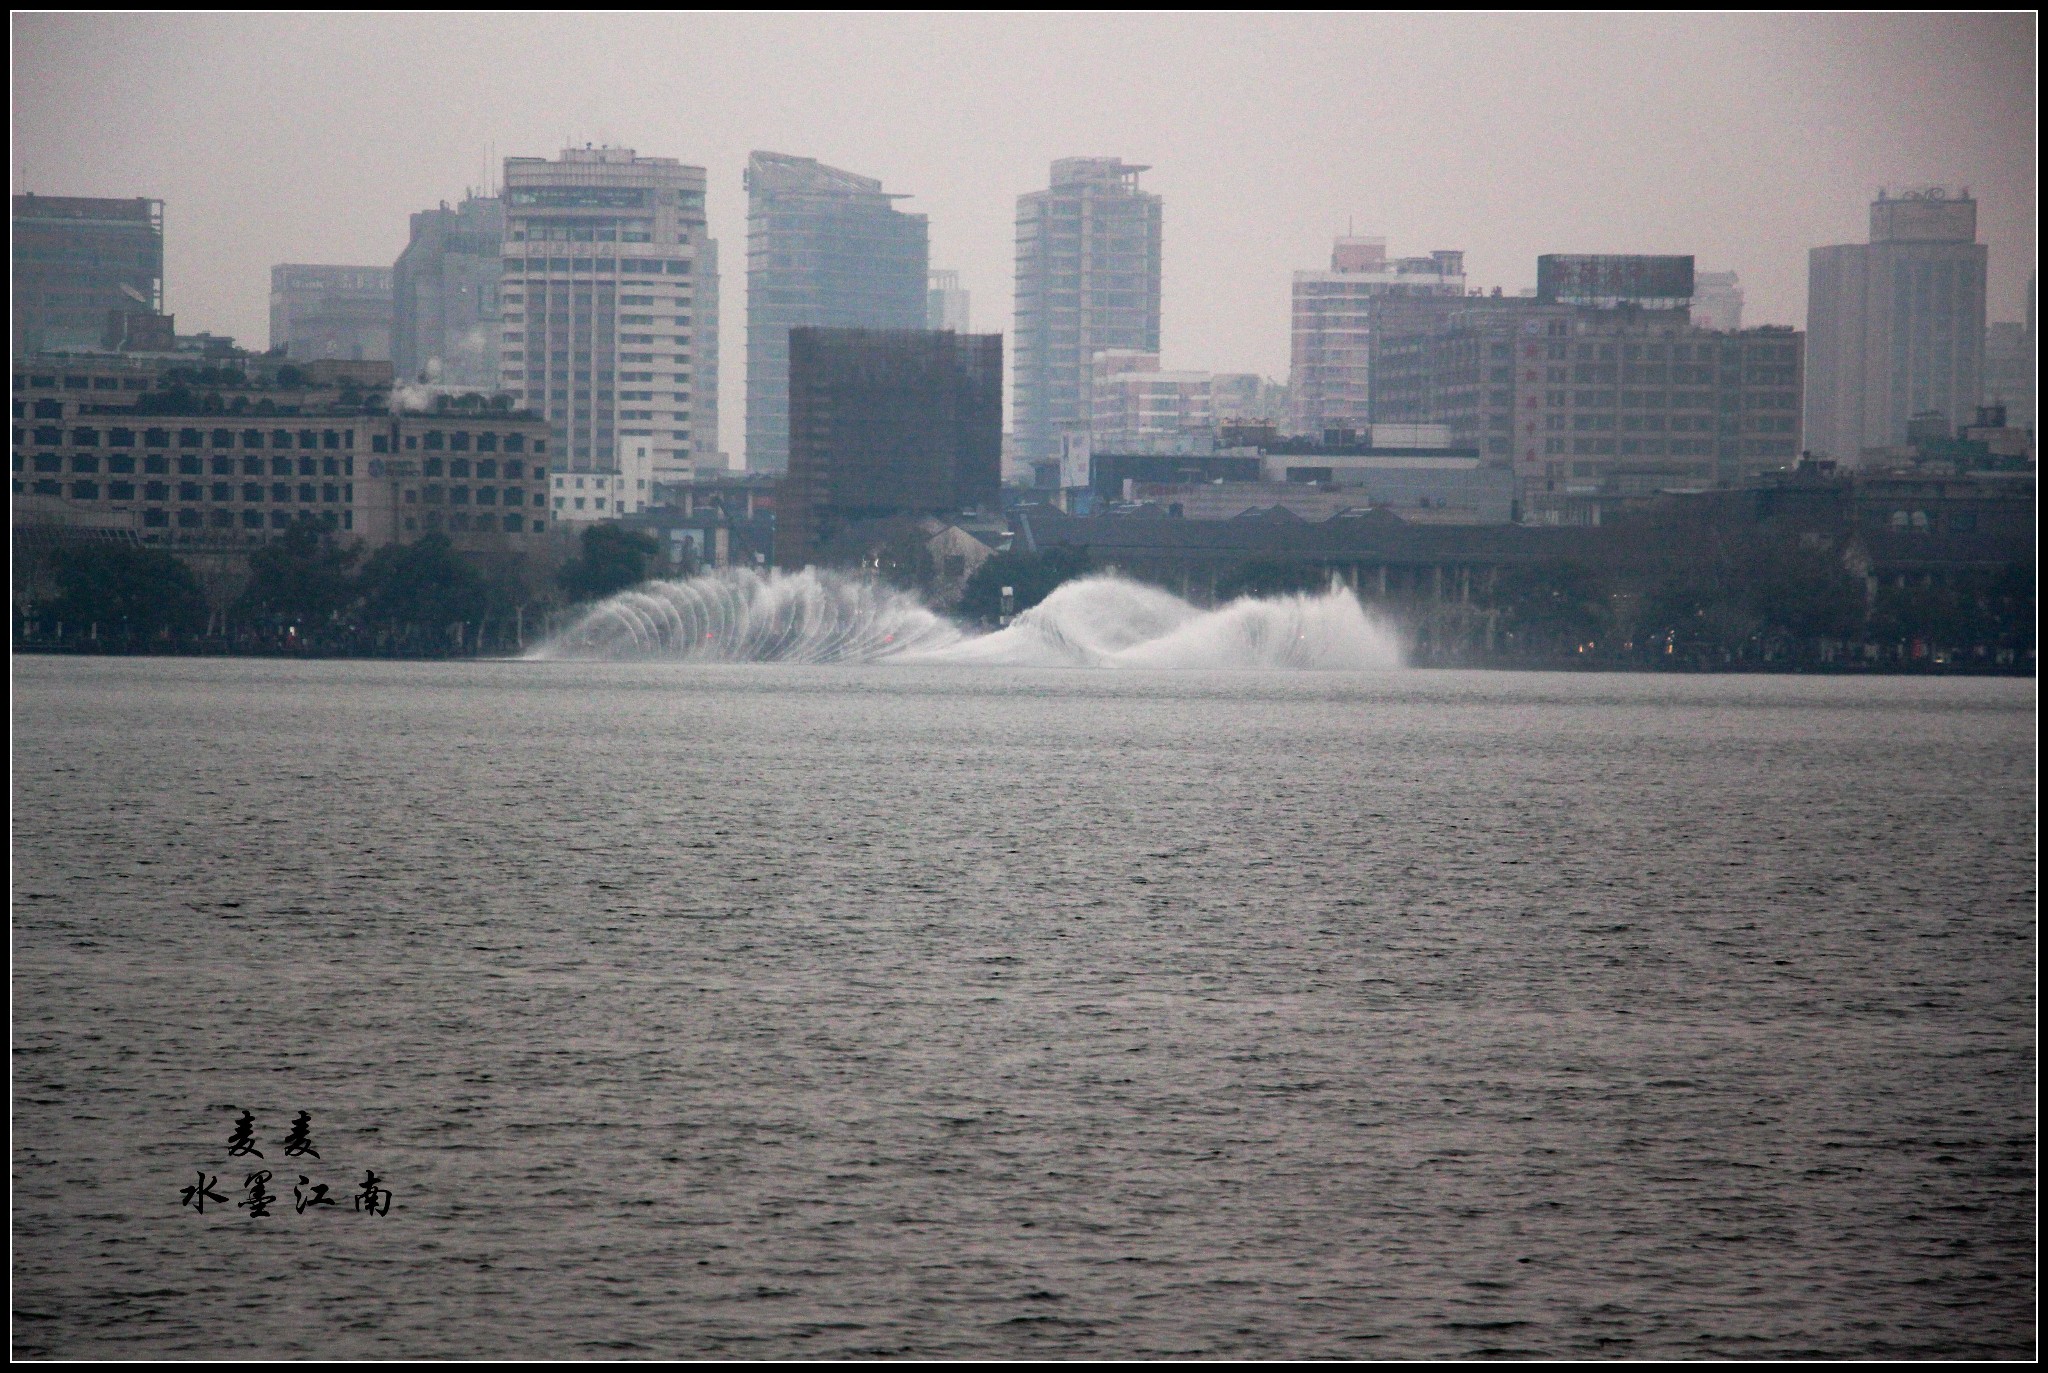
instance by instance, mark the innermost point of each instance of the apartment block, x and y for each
(609, 306)
(1330, 378)
(1088, 273)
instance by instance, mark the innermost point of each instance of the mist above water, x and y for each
(813, 616)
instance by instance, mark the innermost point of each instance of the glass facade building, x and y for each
(78, 260)
(827, 249)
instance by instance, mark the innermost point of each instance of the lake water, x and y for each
(787, 1012)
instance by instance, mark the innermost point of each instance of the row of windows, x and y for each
(281, 493)
(460, 495)
(84, 437)
(1633, 447)
(675, 267)
(486, 468)
(456, 520)
(250, 519)
(459, 441)
(190, 465)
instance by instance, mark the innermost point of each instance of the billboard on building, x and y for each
(1655, 282)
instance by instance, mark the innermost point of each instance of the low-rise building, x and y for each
(233, 456)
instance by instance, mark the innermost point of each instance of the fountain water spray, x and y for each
(813, 616)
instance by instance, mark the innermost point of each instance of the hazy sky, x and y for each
(1742, 140)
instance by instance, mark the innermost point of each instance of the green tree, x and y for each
(1554, 606)
(1031, 576)
(304, 577)
(613, 559)
(426, 585)
(146, 589)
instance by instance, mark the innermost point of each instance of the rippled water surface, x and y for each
(784, 1011)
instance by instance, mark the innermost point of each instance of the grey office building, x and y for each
(78, 260)
(1087, 280)
(1895, 327)
(825, 249)
(444, 296)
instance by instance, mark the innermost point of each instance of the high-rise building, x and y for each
(79, 260)
(1330, 380)
(1135, 407)
(609, 306)
(321, 312)
(886, 423)
(1717, 300)
(945, 303)
(1088, 254)
(1598, 389)
(2011, 355)
(1896, 325)
(444, 296)
(826, 249)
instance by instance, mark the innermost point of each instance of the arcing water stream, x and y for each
(1100, 621)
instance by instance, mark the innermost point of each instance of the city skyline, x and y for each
(1741, 141)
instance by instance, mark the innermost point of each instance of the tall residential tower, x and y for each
(610, 307)
(1895, 327)
(1088, 251)
(825, 249)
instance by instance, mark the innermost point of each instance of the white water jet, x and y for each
(1105, 621)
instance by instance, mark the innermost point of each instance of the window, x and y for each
(156, 491)
(85, 462)
(280, 492)
(156, 438)
(190, 438)
(120, 491)
(85, 491)
(223, 438)
(85, 438)
(222, 466)
(309, 467)
(252, 467)
(223, 491)
(252, 491)
(156, 519)
(435, 439)
(252, 438)
(120, 438)
(188, 465)
(252, 519)
(280, 467)
(191, 519)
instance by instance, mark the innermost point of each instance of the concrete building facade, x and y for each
(100, 438)
(445, 296)
(322, 312)
(825, 249)
(1330, 376)
(1088, 274)
(1589, 405)
(78, 261)
(1717, 301)
(1895, 325)
(887, 423)
(609, 306)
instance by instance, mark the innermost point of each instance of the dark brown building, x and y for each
(887, 422)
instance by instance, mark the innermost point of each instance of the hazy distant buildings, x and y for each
(1717, 300)
(1896, 326)
(1088, 261)
(1599, 388)
(1330, 379)
(1134, 407)
(609, 306)
(886, 423)
(2010, 357)
(78, 261)
(945, 303)
(825, 248)
(444, 296)
(319, 312)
